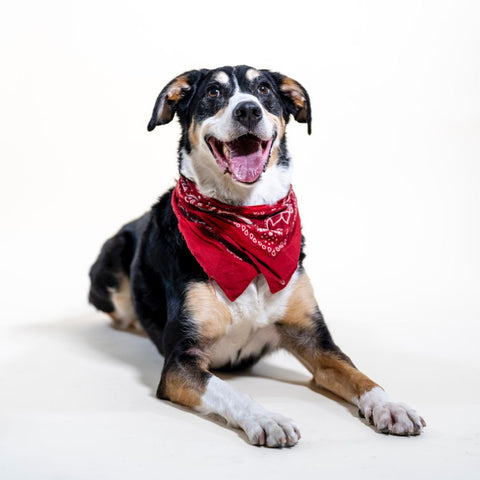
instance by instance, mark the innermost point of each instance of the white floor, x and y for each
(77, 403)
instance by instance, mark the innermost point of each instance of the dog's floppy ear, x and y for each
(295, 99)
(173, 97)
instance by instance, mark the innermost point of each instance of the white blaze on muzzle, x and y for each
(240, 149)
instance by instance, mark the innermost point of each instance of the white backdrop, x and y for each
(388, 182)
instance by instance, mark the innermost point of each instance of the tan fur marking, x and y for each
(124, 317)
(182, 390)
(180, 84)
(222, 77)
(301, 304)
(294, 90)
(134, 327)
(279, 123)
(251, 74)
(220, 113)
(114, 318)
(211, 316)
(273, 158)
(331, 370)
(340, 377)
(193, 135)
(173, 94)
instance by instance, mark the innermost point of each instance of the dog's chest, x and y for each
(252, 329)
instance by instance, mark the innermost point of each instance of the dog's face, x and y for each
(233, 121)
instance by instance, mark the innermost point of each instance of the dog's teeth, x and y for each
(226, 151)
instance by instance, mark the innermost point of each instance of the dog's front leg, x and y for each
(185, 380)
(305, 334)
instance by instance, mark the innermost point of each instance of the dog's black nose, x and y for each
(248, 113)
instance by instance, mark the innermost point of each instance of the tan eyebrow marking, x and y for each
(221, 77)
(252, 74)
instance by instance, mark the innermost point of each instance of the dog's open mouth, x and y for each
(245, 158)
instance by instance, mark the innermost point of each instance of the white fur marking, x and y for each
(201, 168)
(388, 416)
(239, 410)
(253, 315)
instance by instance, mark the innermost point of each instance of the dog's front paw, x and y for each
(270, 429)
(395, 418)
(389, 417)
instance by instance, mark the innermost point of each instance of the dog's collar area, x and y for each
(234, 244)
(245, 158)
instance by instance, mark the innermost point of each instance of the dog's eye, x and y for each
(264, 89)
(213, 92)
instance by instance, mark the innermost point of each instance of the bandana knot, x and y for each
(234, 244)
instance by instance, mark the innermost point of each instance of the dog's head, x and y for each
(233, 122)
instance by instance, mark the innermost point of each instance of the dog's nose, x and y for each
(247, 113)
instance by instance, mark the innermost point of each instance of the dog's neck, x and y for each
(272, 186)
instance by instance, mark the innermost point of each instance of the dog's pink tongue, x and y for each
(246, 160)
(247, 168)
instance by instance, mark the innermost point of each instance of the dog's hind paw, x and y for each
(389, 417)
(270, 430)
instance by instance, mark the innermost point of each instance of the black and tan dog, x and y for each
(213, 273)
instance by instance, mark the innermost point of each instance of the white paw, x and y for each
(270, 429)
(389, 417)
(239, 410)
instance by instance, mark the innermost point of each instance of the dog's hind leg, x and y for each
(110, 284)
(304, 333)
(123, 315)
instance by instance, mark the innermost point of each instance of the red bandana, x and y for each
(235, 244)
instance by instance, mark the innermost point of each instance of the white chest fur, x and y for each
(253, 316)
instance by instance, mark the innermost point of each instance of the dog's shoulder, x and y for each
(162, 252)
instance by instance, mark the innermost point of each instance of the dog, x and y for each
(214, 274)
